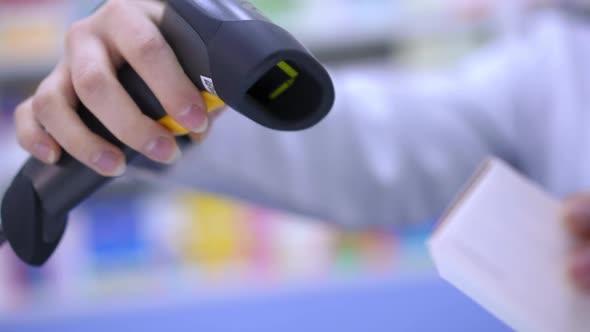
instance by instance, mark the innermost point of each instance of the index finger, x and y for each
(145, 49)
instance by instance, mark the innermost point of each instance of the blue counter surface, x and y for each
(415, 304)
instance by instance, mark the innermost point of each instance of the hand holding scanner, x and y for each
(233, 54)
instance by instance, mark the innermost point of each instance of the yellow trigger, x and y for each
(213, 104)
(173, 126)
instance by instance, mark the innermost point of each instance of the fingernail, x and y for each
(578, 213)
(109, 162)
(194, 119)
(45, 153)
(163, 149)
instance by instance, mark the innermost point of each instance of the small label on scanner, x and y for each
(208, 84)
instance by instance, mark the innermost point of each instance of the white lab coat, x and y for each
(396, 148)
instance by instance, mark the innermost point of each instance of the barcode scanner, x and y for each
(233, 54)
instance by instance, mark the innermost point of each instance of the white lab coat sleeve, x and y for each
(395, 149)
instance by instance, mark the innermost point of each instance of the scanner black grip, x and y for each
(225, 47)
(36, 205)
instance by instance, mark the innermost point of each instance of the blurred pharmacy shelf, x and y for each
(418, 31)
(169, 259)
(31, 32)
(169, 247)
(16, 73)
(185, 261)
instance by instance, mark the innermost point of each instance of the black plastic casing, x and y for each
(235, 47)
(225, 47)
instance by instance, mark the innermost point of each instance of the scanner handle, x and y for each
(36, 205)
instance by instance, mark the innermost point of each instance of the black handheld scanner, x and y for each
(233, 54)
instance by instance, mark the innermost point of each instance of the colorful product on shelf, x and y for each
(31, 32)
(183, 242)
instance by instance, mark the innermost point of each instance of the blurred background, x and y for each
(139, 257)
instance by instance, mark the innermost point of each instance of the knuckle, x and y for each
(75, 32)
(114, 6)
(113, 12)
(42, 104)
(89, 79)
(149, 45)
